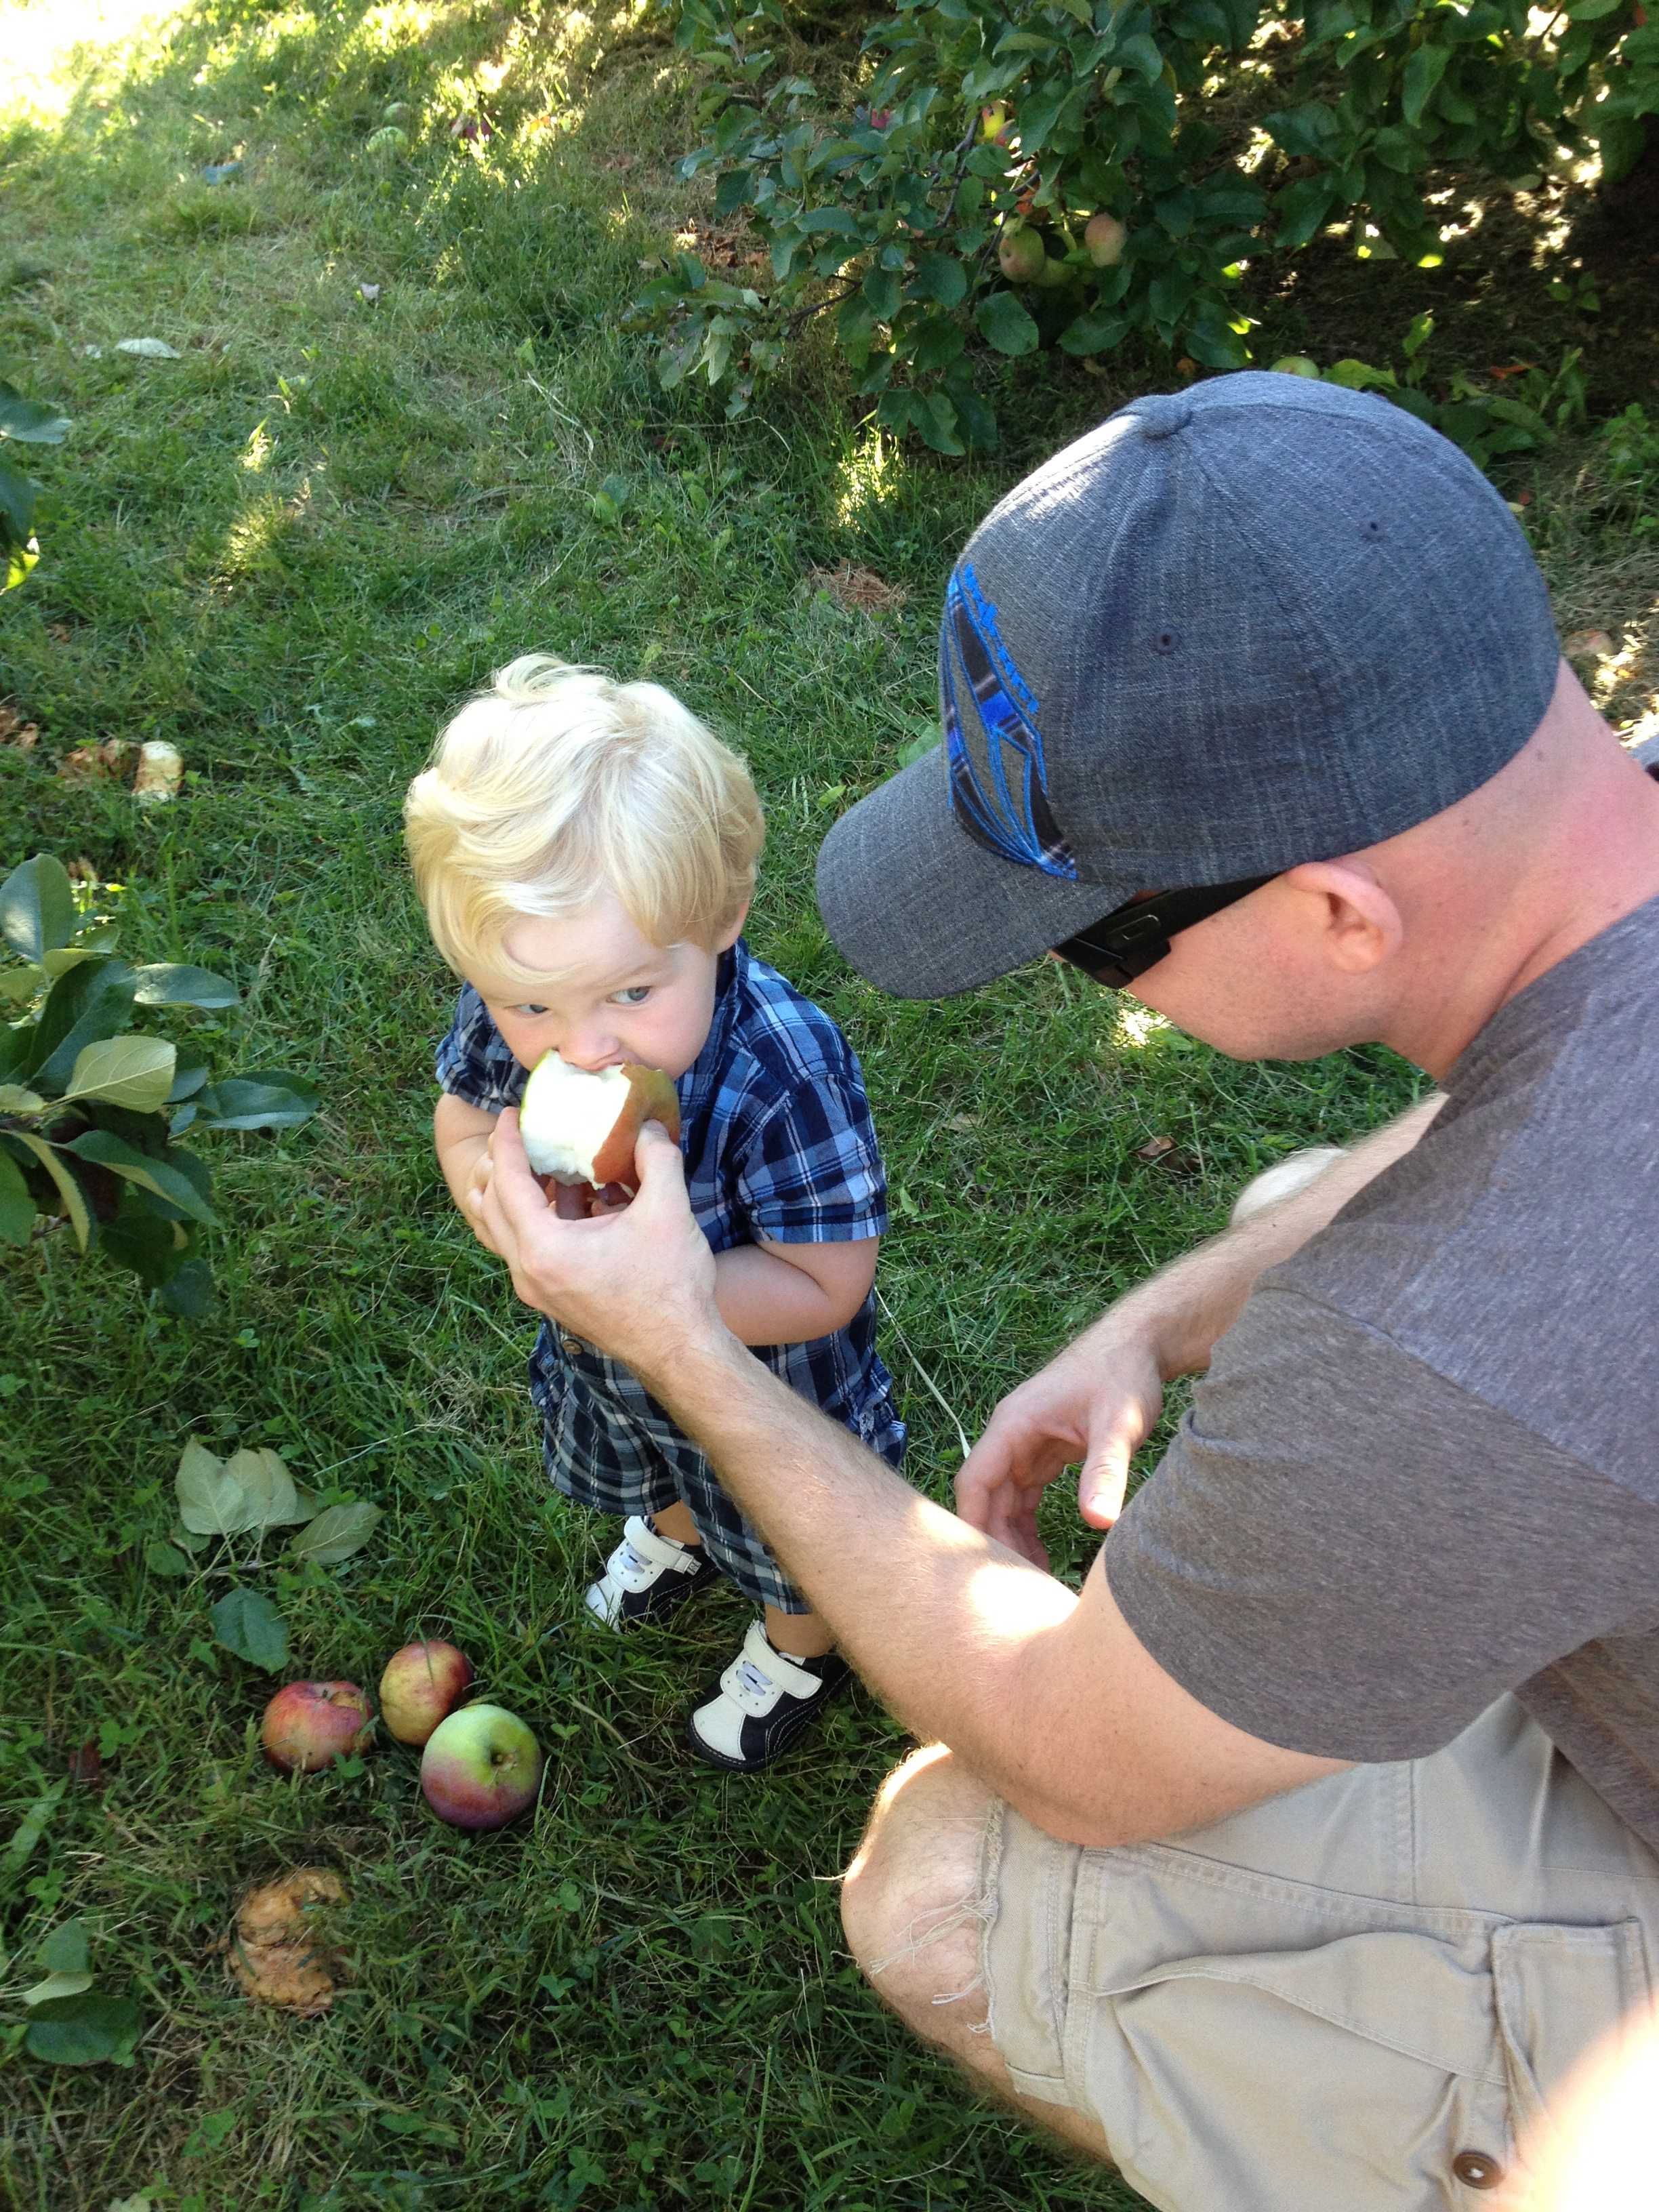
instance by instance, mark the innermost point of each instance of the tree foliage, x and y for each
(1023, 171)
(91, 1110)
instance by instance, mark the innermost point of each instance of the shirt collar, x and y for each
(729, 978)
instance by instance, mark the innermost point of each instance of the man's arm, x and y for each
(1047, 1696)
(1097, 1401)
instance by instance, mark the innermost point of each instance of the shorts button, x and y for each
(1476, 2171)
(573, 1345)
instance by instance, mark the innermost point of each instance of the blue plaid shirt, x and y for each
(778, 1140)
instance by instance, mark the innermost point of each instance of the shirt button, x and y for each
(1475, 2170)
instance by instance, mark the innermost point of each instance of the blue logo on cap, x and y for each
(999, 784)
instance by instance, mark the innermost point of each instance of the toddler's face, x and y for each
(607, 995)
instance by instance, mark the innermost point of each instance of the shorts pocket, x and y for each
(1377, 2071)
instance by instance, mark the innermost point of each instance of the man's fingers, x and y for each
(1101, 1486)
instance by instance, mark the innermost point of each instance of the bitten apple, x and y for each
(580, 1125)
(309, 1725)
(480, 1767)
(421, 1684)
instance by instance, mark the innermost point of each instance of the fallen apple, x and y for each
(309, 1725)
(1295, 364)
(1105, 237)
(480, 1767)
(580, 1125)
(421, 1684)
(1020, 253)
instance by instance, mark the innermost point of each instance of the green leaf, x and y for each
(92, 1002)
(31, 422)
(37, 908)
(265, 1101)
(941, 278)
(335, 1533)
(17, 1098)
(65, 1950)
(1004, 324)
(105, 1150)
(268, 1486)
(935, 419)
(189, 1289)
(938, 342)
(68, 1984)
(166, 1560)
(168, 983)
(1423, 71)
(134, 1072)
(882, 290)
(211, 1502)
(249, 1625)
(1098, 332)
(74, 1198)
(30, 1829)
(84, 2031)
(17, 1207)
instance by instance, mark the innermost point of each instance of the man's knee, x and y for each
(911, 1899)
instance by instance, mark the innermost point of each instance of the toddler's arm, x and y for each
(772, 1293)
(461, 1133)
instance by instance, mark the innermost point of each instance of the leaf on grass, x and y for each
(58, 1985)
(249, 1625)
(75, 1203)
(257, 1101)
(37, 908)
(30, 1829)
(267, 1487)
(83, 2031)
(335, 1533)
(65, 1950)
(211, 1502)
(148, 348)
(134, 1072)
(165, 1560)
(160, 1177)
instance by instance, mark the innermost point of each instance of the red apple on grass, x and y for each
(580, 1125)
(421, 1684)
(480, 1768)
(309, 1725)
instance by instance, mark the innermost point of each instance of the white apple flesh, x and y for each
(579, 1125)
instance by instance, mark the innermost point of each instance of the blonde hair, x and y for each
(557, 782)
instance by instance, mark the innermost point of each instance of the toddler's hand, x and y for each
(477, 1189)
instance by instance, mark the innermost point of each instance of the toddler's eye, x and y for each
(634, 995)
(530, 1010)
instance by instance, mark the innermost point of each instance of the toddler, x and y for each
(586, 853)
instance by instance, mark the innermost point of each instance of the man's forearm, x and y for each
(1181, 1309)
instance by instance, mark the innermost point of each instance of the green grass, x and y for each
(292, 550)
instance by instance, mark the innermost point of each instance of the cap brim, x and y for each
(923, 911)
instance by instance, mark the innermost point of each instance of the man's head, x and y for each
(584, 851)
(1262, 624)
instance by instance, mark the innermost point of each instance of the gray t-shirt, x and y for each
(1423, 1466)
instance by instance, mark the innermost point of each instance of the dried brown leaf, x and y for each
(860, 590)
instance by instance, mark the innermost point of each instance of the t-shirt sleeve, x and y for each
(810, 1172)
(1346, 1554)
(474, 1061)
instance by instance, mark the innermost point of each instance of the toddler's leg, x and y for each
(797, 1634)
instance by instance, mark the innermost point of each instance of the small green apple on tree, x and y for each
(91, 1109)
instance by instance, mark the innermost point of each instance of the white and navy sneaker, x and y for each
(647, 1576)
(762, 1703)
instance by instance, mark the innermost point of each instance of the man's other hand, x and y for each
(1096, 1403)
(638, 1282)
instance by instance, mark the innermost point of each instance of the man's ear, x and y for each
(1358, 925)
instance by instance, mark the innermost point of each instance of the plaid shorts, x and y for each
(608, 1444)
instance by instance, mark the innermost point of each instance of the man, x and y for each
(1292, 1863)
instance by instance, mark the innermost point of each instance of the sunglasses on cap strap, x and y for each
(1135, 936)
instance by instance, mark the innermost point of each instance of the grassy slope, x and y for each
(292, 550)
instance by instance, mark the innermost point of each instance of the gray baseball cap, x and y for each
(1261, 621)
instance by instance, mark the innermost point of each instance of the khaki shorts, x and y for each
(1349, 1999)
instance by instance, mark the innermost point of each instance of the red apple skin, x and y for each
(481, 1767)
(309, 1725)
(651, 1097)
(421, 1684)
(1105, 238)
